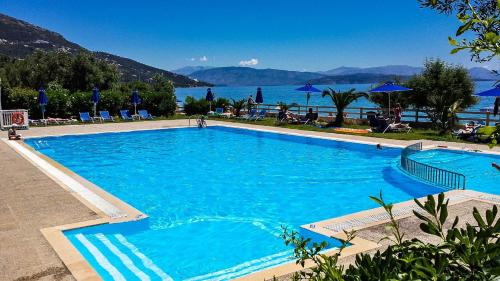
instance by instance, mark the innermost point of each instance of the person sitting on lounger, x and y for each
(397, 113)
(13, 135)
(496, 166)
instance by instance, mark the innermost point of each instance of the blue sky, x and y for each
(297, 35)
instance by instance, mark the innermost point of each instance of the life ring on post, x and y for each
(18, 119)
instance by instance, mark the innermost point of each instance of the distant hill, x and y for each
(247, 76)
(358, 78)
(402, 70)
(480, 73)
(188, 70)
(19, 39)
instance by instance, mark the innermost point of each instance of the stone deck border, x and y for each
(82, 270)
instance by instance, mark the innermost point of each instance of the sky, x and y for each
(308, 35)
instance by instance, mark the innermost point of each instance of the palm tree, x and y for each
(453, 115)
(342, 101)
(238, 105)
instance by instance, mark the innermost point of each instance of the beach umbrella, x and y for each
(209, 97)
(135, 100)
(258, 97)
(95, 98)
(495, 92)
(308, 88)
(43, 100)
(388, 88)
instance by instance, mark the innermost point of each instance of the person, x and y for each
(13, 135)
(309, 114)
(250, 103)
(496, 166)
(201, 122)
(397, 113)
(379, 146)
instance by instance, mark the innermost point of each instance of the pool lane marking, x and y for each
(100, 258)
(145, 260)
(124, 258)
(108, 208)
(249, 265)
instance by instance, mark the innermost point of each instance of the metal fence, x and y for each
(428, 173)
(16, 117)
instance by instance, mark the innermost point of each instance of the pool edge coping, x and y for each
(81, 269)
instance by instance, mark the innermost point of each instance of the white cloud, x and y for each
(191, 59)
(204, 58)
(249, 62)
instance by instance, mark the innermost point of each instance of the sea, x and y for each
(288, 94)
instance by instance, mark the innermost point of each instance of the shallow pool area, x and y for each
(217, 198)
(476, 167)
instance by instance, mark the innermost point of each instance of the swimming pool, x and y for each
(217, 197)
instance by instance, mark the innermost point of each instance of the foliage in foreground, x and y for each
(468, 253)
(480, 26)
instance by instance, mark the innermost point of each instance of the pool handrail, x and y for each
(428, 173)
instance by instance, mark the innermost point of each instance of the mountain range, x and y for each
(246, 76)
(19, 39)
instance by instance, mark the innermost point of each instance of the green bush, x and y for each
(221, 102)
(193, 106)
(22, 98)
(468, 253)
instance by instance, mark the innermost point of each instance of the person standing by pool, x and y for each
(397, 113)
(250, 103)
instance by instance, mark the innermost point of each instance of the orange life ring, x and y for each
(18, 119)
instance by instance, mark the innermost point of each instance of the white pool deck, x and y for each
(112, 209)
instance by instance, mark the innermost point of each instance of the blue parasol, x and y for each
(388, 88)
(495, 92)
(43, 100)
(95, 98)
(259, 98)
(308, 88)
(135, 100)
(209, 97)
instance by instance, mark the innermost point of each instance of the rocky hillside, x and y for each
(19, 39)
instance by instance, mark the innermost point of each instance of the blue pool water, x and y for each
(217, 197)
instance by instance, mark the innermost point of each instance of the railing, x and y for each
(428, 173)
(16, 117)
(414, 115)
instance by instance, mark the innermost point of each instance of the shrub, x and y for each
(469, 253)
(22, 98)
(221, 102)
(193, 106)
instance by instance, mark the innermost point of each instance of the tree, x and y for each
(342, 100)
(480, 25)
(382, 99)
(439, 87)
(237, 106)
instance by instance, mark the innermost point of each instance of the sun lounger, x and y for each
(125, 115)
(398, 127)
(106, 117)
(249, 116)
(143, 114)
(261, 115)
(84, 117)
(309, 118)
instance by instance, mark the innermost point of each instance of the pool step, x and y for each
(120, 259)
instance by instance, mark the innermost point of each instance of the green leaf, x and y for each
(452, 41)
(464, 28)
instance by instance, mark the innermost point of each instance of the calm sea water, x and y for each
(275, 94)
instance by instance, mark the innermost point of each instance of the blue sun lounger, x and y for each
(85, 117)
(106, 117)
(261, 115)
(125, 115)
(143, 114)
